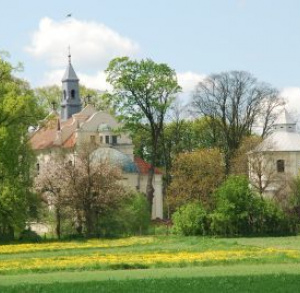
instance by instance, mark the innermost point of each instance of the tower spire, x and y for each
(69, 53)
(71, 102)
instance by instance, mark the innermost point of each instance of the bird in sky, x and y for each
(69, 15)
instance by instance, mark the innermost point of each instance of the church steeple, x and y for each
(71, 103)
(284, 122)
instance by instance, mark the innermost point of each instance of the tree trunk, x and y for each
(150, 189)
(89, 222)
(58, 223)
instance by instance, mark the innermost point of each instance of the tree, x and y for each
(195, 176)
(239, 211)
(239, 164)
(143, 91)
(95, 97)
(234, 205)
(90, 188)
(234, 102)
(51, 185)
(190, 219)
(18, 111)
(49, 97)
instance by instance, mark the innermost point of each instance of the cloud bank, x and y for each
(92, 44)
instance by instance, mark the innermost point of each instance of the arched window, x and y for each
(280, 166)
(72, 94)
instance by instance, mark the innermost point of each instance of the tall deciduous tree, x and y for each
(195, 177)
(143, 91)
(18, 111)
(234, 102)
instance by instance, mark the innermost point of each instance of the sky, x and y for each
(194, 37)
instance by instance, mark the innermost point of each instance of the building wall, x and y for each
(275, 181)
(139, 181)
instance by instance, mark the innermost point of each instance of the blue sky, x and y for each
(196, 38)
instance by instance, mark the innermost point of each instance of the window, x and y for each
(114, 139)
(70, 163)
(93, 138)
(107, 139)
(65, 94)
(72, 94)
(280, 166)
(101, 139)
(38, 168)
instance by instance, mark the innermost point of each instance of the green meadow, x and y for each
(153, 264)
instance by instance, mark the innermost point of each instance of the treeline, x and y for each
(236, 210)
(198, 155)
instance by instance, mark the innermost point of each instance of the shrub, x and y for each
(234, 205)
(131, 218)
(30, 236)
(239, 211)
(189, 219)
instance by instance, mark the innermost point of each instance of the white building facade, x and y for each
(75, 126)
(274, 162)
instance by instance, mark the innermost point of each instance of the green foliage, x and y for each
(143, 92)
(131, 218)
(233, 207)
(190, 219)
(98, 99)
(29, 236)
(195, 177)
(18, 111)
(241, 212)
(142, 89)
(48, 97)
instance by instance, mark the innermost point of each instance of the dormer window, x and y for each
(73, 94)
(280, 166)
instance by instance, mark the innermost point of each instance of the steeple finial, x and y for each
(69, 53)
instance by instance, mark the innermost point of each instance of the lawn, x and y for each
(153, 263)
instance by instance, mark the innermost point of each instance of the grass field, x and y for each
(153, 264)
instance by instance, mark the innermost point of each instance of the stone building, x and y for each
(75, 126)
(277, 159)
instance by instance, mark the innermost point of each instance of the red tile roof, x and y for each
(45, 136)
(70, 142)
(144, 166)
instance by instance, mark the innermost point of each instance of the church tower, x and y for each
(71, 103)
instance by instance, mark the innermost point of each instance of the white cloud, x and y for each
(96, 81)
(92, 44)
(188, 80)
(292, 97)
